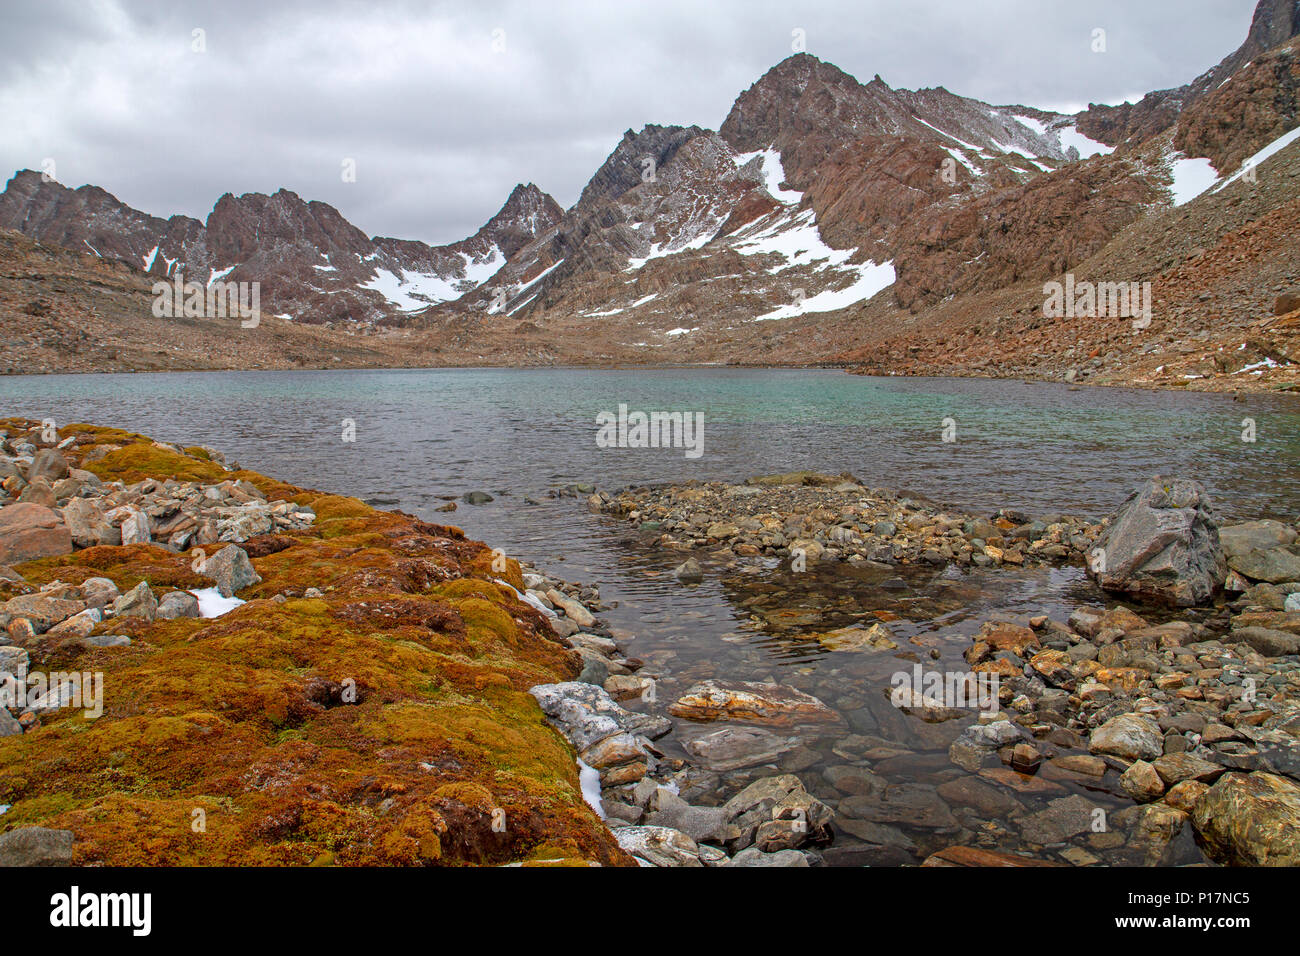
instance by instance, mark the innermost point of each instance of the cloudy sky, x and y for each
(445, 106)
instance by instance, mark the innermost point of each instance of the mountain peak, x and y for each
(527, 213)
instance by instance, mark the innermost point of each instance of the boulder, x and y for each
(136, 528)
(36, 846)
(48, 463)
(30, 531)
(1060, 820)
(756, 857)
(98, 592)
(88, 525)
(701, 824)
(659, 846)
(80, 624)
(231, 570)
(780, 798)
(1177, 767)
(1142, 782)
(39, 492)
(1250, 820)
(572, 609)
(1156, 833)
(42, 610)
(689, 572)
(137, 602)
(1262, 550)
(1130, 736)
(176, 604)
(1162, 545)
(1266, 640)
(585, 714)
(732, 748)
(909, 804)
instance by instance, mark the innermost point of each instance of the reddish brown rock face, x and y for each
(1235, 121)
(1274, 23)
(29, 531)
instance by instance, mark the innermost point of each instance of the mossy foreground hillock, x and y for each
(367, 705)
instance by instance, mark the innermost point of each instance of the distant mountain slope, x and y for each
(825, 220)
(313, 265)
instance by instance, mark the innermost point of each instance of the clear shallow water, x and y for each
(424, 435)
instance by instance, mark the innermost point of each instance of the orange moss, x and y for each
(385, 723)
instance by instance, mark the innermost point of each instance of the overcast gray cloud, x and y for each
(446, 106)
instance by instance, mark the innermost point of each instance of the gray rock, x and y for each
(178, 604)
(1162, 545)
(13, 659)
(107, 640)
(231, 570)
(732, 748)
(659, 846)
(80, 624)
(1274, 565)
(42, 610)
(1261, 550)
(781, 797)
(1269, 642)
(98, 592)
(48, 463)
(585, 714)
(701, 824)
(137, 602)
(756, 857)
(8, 726)
(36, 846)
(88, 525)
(1058, 821)
(689, 572)
(911, 804)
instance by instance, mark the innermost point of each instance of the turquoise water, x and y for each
(1041, 447)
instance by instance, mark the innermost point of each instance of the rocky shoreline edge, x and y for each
(1195, 719)
(377, 697)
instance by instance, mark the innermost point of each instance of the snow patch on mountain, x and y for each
(773, 174)
(796, 239)
(1191, 177)
(1070, 136)
(871, 278)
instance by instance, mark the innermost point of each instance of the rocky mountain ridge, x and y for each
(826, 220)
(313, 265)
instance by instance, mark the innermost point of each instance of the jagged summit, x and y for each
(315, 265)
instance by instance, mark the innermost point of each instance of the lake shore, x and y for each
(357, 645)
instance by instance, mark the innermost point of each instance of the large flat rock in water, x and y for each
(761, 703)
